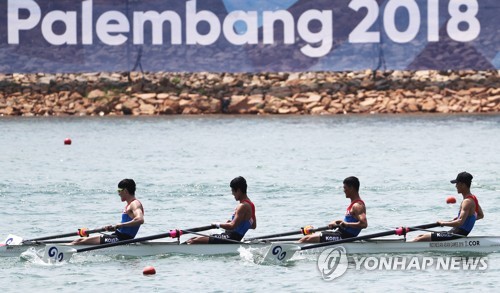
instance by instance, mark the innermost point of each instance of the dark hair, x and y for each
(128, 184)
(239, 183)
(352, 182)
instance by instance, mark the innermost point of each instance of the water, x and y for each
(294, 167)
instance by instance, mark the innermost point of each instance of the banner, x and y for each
(63, 36)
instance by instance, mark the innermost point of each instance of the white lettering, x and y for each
(385, 263)
(110, 26)
(157, 20)
(484, 263)
(374, 263)
(325, 35)
(468, 16)
(414, 264)
(443, 263)
(288, 26)
(15, 24)
(399, 262)
(193, 37)
(470, 263)
(358, 261)
(69, 20)
(433, 21)
(426, 262)
(250, 36)
(390, 20)
(361, 33)
(87, 21)
(313, 27)
(391, 263)
(455, 263)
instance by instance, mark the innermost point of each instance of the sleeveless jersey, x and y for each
(131, 231)
(471, 220)
(351, 219)
(247, 224)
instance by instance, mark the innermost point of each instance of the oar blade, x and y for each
(280, 252)
(13, 240)
(57, 253)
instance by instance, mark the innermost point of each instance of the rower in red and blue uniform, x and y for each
(469, 212)
(354, 220)
(241, 221)
(128, 232)
(131, 221)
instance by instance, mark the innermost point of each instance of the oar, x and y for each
(83, 232)
(280, 252)
(58, 253)
(449, 233)
(304, 230)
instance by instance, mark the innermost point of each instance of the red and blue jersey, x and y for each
(351, 219)
(470, 220)
(246, 224)
(131, 231)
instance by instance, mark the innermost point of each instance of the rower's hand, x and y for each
(110, 228)
(440, 223)
(335, 224)
(216, 225)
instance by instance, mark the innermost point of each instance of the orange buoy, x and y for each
(67, 141)
(149, 270)
(451, 199)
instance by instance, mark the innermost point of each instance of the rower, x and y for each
(470, 211)
(241, 221)
(132, 218)
(354, 220)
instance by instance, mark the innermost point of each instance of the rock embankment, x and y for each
(317, 93)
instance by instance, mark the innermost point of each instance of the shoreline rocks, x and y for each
(314, 93)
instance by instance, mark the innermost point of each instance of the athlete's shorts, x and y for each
(115, 237)
(328, 236)
(448, 235)
(220, 238)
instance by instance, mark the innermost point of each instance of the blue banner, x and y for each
(61, 36)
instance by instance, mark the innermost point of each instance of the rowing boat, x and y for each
(478, 244)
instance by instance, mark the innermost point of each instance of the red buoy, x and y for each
(451, 199)
(67, 141)
(149, 270)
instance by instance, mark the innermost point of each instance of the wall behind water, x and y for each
(317, 93)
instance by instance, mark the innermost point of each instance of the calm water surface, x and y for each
(294, 167)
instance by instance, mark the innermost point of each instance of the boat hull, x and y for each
(484, 244)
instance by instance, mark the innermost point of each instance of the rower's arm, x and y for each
(480, 213)
(254, 223)
(239, 215)
(359, 211)
(464, 213)
(138, 218)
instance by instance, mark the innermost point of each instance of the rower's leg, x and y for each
(198, 240)
(422, 237)
(94, 240)
(314, 238)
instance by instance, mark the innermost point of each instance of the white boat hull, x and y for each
(481, 244)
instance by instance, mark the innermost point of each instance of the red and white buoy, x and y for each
(149, 270)
(451, 200)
